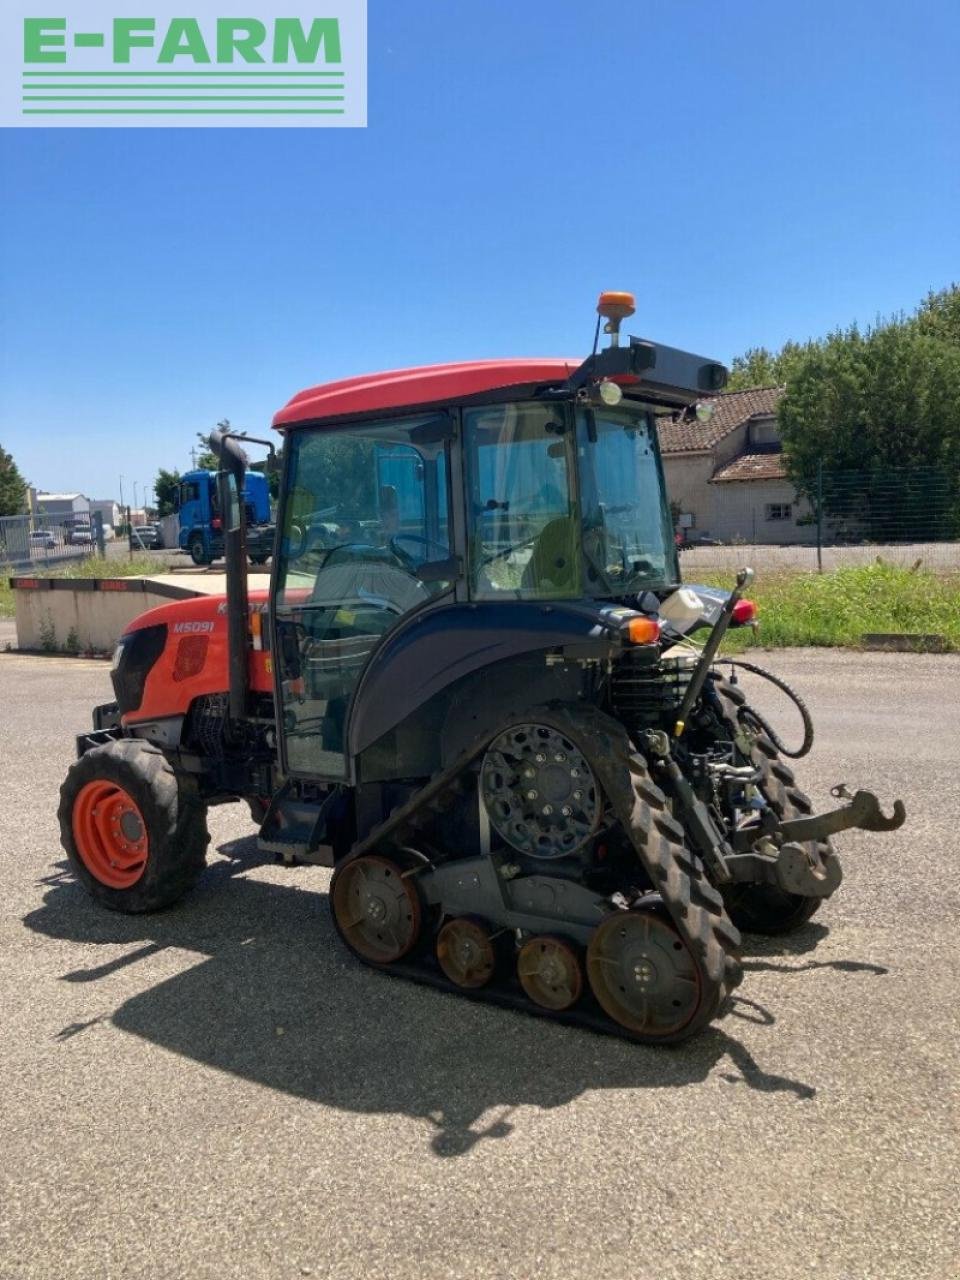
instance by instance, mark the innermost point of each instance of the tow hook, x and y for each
(863, 811)
(787, 854)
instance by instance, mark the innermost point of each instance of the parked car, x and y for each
(146, 537)
(42, 540)
(80, 535)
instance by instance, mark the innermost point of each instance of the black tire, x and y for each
(173, 815)
(765, 908)
(259, 559)
(197, 550)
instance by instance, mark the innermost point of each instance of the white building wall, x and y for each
(740, 513)
(687, 477)
(109, 510)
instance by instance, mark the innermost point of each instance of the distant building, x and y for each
(62, 508)
(108, 509)
(728, 474)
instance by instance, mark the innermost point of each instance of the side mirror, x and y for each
(176, 500)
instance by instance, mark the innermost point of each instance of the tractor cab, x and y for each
(460, 493)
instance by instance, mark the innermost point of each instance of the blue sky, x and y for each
(754, 171)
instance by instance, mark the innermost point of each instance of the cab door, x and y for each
(365, 520)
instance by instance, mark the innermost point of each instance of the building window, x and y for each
(779, 510)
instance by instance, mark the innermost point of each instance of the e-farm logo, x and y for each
(102, 64)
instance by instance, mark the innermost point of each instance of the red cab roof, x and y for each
(428, 384)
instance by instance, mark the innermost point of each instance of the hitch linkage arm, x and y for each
(863, 811)
(791, 854)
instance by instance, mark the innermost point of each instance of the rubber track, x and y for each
(779, 782)
(676, 872)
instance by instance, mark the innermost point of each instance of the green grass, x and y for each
(836, 609)
(120, 567)
(92, 567)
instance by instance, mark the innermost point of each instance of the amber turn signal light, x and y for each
(643, 630)
(616, 306)
(744, 611)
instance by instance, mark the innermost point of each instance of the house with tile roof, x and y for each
(728, 477)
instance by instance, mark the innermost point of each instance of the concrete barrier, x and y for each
(83, 615)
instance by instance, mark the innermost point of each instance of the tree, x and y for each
(939, 315)
(13, 488)
(872, 420)
(760, 367)
(273, 477)
(206, 459)
(165, 487)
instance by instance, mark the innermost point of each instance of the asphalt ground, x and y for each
(220, 1091)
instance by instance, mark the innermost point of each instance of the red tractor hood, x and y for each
(194, 662)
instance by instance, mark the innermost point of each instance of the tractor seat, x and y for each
(368, 581)
(552, 567)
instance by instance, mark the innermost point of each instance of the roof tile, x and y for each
(766, 465)
(731, 409)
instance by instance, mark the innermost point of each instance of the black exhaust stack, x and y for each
(233, 466)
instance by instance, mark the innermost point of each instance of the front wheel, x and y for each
(198, 552)
(135, 832)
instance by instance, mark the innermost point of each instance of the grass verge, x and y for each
(836, 609)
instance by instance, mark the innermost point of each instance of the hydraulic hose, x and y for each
(749, 713)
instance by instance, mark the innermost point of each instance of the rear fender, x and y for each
(436, 648)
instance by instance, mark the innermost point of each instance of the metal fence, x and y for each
(48, 542)
(902, 516)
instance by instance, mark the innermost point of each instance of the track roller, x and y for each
(465, 952)
(376, 908)
(550, 973)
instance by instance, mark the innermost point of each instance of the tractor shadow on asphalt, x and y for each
(276, 1000)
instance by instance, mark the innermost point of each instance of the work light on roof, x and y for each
(609, 392)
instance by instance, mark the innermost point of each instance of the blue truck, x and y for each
(201, 524)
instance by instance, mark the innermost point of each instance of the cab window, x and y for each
(523, 526)
(365, 540)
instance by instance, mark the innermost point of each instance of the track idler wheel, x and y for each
(550, 973)
(644, 977)
(466, 953)
(376, 908)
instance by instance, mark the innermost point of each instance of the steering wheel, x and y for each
(409, 559)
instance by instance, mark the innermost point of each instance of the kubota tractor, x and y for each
(473, 690)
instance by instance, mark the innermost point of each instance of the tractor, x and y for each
(478, 691)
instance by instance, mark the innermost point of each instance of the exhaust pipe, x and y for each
(230, 477)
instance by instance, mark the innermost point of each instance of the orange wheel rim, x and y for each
(109, 834)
